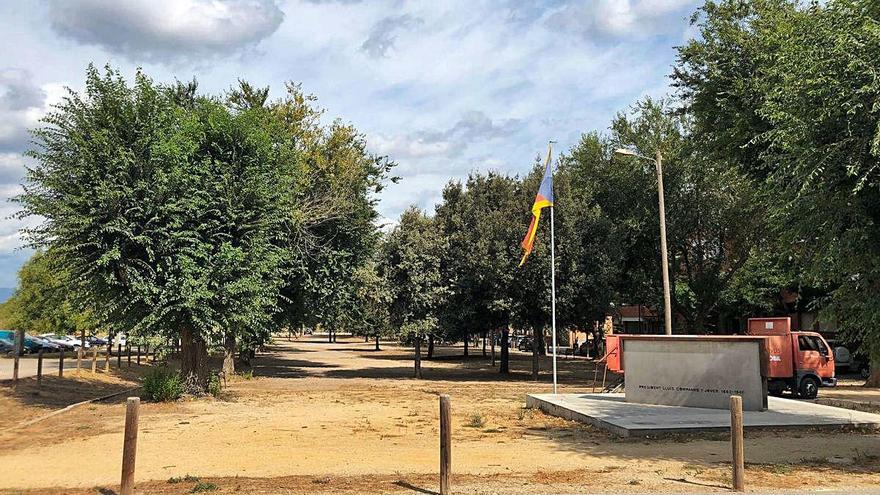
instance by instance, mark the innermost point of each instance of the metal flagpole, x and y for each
(553, 292)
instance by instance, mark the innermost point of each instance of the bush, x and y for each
(162, 385)
(214, 386)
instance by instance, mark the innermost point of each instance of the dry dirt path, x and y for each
(341, 418)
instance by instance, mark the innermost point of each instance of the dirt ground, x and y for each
(342, 418)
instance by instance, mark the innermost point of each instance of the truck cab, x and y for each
(797, 361)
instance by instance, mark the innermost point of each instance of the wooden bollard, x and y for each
(17, 347)
(129, 355)
(119, 355)
(445, 445)
(79, 357)
(40, 368)
(736, 442)
(61, 363)
(129, 445)
(139, 355)
(94, 359)
(107, 358)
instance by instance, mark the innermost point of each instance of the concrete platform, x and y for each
(611, 412)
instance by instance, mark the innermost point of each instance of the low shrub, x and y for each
(163, 385)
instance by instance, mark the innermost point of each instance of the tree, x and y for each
(166, 217)
(42, 303)
(412, 267)
(479, 263)
(795, 86)
(370, 316)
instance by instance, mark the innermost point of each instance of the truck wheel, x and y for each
(809, 388)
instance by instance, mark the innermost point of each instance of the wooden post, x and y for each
(79, 357)
(147, 353)
(129, 354)
(129, 445)
(107, 359)
(736, 443)
(19, 345)
(94, 359)
(139, 355)
(119, 355)
(40, 368)
(61, 363)
(445, 445)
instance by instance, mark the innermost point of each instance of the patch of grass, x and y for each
(476, 421)
(162, 385)
(633, 482)
(492, 430)
(180, 479)
(203, 486)
(247, 375)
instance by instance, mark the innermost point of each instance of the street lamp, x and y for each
(667, 299)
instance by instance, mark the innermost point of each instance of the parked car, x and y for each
(6, 346)
(525, 344)
(46, 344)
(95, 340)
(30, 345)
(849, 358)
(77, 342)
(61, 342)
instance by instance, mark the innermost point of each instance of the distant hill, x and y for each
(6, 293)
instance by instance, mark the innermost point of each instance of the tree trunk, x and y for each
(484, 344)
(466, 338)
(193, 361)
(229, 354)
(874, 378)
(430, 347)
(505, 353)
(492, 337)
(329, 336)
(334, 335)
(537, 338)
(377, 341)
(418, 357)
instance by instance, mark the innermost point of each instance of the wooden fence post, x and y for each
(119, 355)
(79, 356)
(61, 363)
(445, 444)
(129, 354)
(94, 359)
(736, 443)
(107, 359)
(40, 368)
(129, 445)
(139, 355)
(17, 348)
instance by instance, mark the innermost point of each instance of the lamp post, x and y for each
(667, 298)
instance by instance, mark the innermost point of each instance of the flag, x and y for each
(543, 199)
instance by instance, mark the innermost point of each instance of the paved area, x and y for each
(611, 412)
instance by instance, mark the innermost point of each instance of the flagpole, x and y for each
(553, 292)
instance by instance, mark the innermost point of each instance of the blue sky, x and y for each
(442, 87)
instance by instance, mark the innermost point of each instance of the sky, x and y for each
(444, 88)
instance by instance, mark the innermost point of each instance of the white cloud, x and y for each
(166, 30)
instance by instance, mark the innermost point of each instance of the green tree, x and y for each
(42, 301)
(165, 217)
(411, 265)
(789, 92)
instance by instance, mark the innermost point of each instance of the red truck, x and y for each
(797, 361)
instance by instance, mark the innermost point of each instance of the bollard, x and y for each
(119, 355)
(17, 347)
(94, 359)
(736, 443)
(445, 445)
(139, 355)
(40, 368)
(61, 363)
(129, 354)
(129, 445)
(79, 356)
(107, 359)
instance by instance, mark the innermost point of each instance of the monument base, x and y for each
(611, 412)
